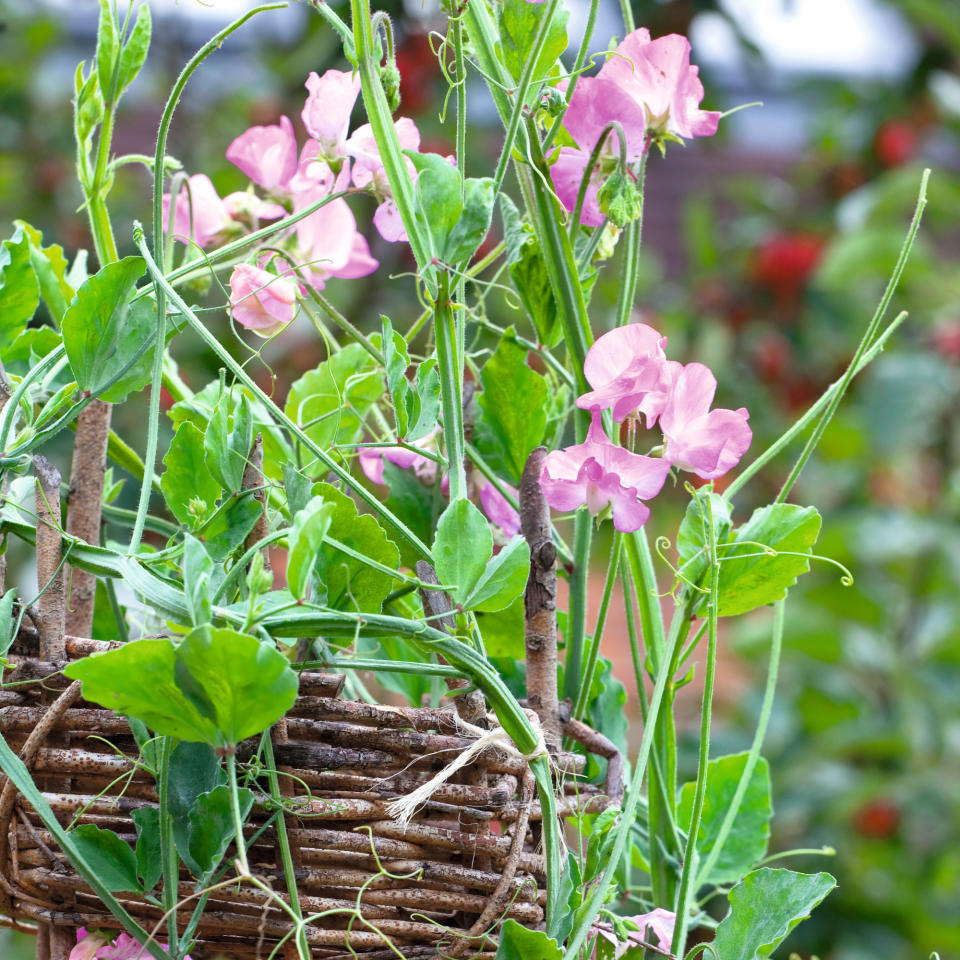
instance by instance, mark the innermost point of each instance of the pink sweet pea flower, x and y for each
(496, 506)
(261, 301)
(199, 213)
(267, 155)
(629, 372)
(369, 173)
(658, 76)
(659, 921)
(598, 473)
(703, 441)
(245, 205)
(596, 101)
(328, 241)
(326, 114)
(372, 459)
(87, 945)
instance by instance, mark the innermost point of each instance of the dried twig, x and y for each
(51, 605)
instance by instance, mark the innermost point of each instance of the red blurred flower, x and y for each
(945, 338)
(419, 72)
(783, 264)
(877, 819)
(895, 142)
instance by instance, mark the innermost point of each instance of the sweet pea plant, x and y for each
(417, 441)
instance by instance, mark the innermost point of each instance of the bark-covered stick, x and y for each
(84, 501)
(51, 605)
(540, 601)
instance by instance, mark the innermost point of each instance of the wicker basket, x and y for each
(469, 856)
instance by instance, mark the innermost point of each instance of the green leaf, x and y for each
(188, 486)
(415, 407)
(502, 631)
(309, 527)
(51, 268)
(210, 825)
(7, 622)
(30, 346)
(235, 681)
(757, 580)
(519, 24)
(105, 336)
(438, 198)
(412, 501)
(227, 529)
(194, 770)
(134, 50)
(228, 439)
(396, 360)
(462, 547)
(329, 403)
(197, 575)
(474, 221)
(747, 841)
(503, 579)
(88, 107)
(19, 290)
(606, 712)
(764, 907)
(692, 541)
(149, 863)
(138, 679)
(350, 583)
(297, 488)
(519, 943)
(114, 861)
(107, 46)
(514, 405)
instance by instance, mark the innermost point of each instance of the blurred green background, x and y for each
(766, 250)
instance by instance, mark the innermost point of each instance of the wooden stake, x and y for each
(540, 601)
(51, 605)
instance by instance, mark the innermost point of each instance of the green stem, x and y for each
(235, 811)
(690, 867)
(620, 833)
(520, 95)
(241, 374)
(159, 346)
(648, 600)
(447, 337)
(862, 347)
(283, 842)
(168, 851)
(586, 678)
(776, 645)
(577, 617)
(631, 255)
(384, 132)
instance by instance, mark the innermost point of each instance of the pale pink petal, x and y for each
(597, 101)
(267, 155)
(497, 507)
(691, 397)
(389, 223)
(567, 173)
(371, 463)
(359, 261)
(326, 114)
(261, 301)
(87, 945)
(658, 75)
(199, 213)
(597, 473)
(242, 205)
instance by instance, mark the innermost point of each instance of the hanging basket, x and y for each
(440, 884)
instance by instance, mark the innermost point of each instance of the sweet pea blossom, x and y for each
(629, 372)
(124, 947)
(246, 205)
(326, 114)
(647, 86)
(658, 76)
(199, 213)
(704, 441)
(369, 173)
(267, 155)
(261, 301)
(661, 922)
(496, 506)
(328, 242)
(598, 473)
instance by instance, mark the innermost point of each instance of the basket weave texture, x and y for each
(436, 886)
